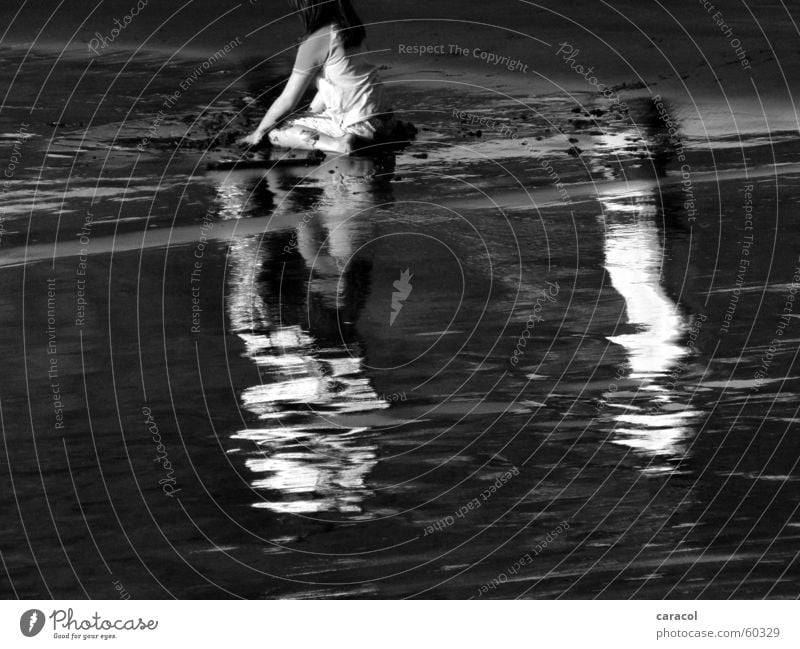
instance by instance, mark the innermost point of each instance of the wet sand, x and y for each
(219, 383)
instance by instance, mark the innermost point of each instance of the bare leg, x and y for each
(298, 137)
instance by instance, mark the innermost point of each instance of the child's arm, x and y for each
(281, 107)
(311, 57)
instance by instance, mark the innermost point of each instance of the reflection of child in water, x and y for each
(348, 108)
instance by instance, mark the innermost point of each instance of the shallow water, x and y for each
(326, 356)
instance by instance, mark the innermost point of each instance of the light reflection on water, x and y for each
(302, 300)
(293, 300)
(654, 419)
(666, 500)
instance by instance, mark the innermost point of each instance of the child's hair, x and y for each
(316, 14)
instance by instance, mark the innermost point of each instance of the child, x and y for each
(348, 108)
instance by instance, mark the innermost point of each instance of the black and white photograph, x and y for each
(369, 301)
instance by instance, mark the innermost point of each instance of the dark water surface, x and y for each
(327, 431)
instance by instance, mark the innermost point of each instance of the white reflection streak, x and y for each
(633, 261)
(633, 258)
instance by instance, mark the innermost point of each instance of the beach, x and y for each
(546, 350)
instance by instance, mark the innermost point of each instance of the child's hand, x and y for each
(253, 139)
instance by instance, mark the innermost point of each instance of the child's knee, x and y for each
(275, 136)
